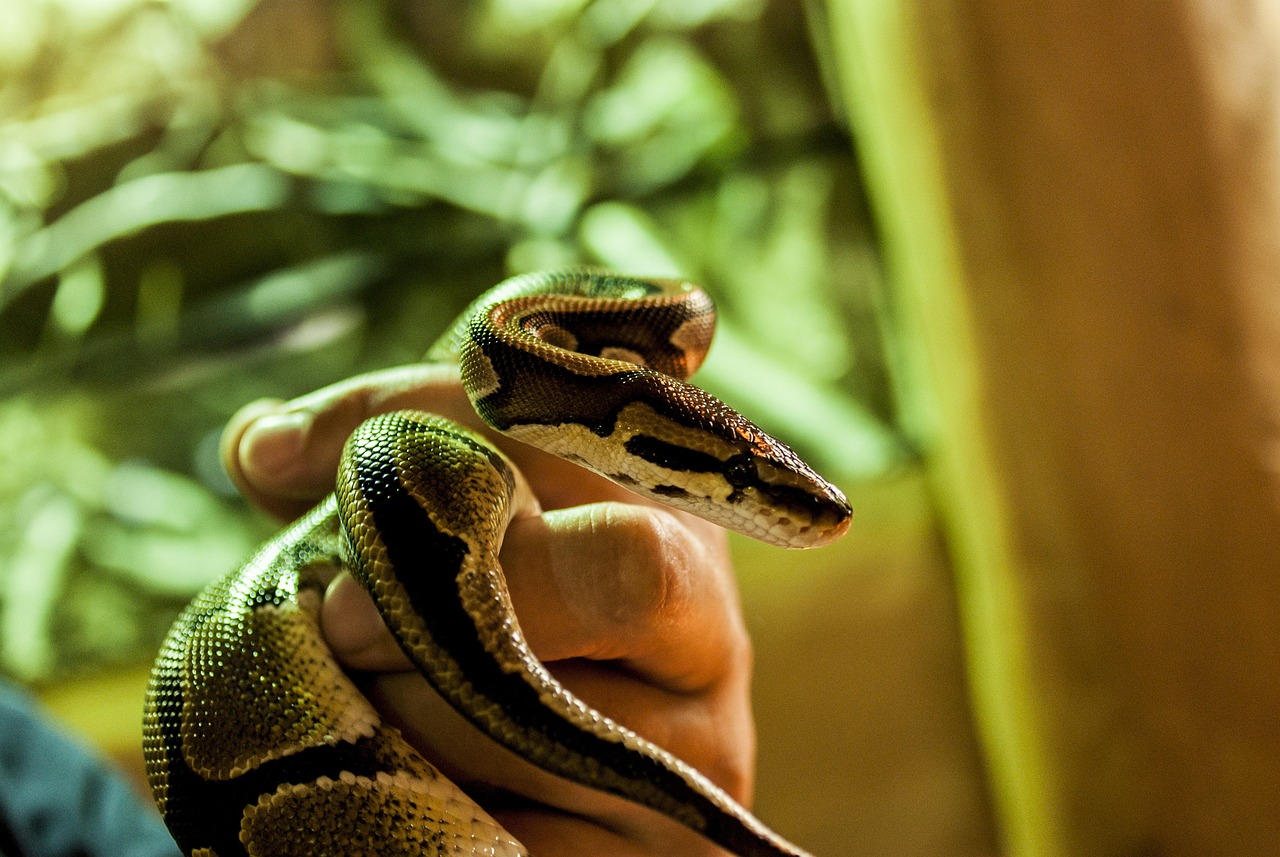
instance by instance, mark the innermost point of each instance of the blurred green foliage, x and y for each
(203, 202)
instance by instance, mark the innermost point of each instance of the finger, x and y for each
(355, 632)
(634, 612)
(645, 588)
(550, 815)
(283, 455)
(712, 730)
(612, 582)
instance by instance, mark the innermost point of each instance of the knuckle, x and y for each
(654, 568)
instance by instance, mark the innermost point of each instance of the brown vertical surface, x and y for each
(1112, 197)
(866, 748)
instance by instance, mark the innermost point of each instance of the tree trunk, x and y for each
(1080, 205)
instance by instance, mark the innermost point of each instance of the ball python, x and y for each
(256, 741)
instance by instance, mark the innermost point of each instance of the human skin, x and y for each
(631, 605)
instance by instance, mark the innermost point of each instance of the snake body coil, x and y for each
(256, 741)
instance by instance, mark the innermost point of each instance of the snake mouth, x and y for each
(804, 520)
(807, 510)
(836, 529)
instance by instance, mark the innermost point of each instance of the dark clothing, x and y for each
(59, 800)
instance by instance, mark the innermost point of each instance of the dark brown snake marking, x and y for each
(257, 743)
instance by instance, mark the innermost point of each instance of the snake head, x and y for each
(590, 367)
(688, 449)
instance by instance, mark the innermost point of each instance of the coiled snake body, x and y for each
(256, 741)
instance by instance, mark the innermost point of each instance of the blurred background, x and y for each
(1004, 269)
(203, 203)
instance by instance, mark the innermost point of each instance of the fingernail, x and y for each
(272, 446)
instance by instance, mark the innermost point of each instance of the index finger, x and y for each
(605, 582)
(282, 456)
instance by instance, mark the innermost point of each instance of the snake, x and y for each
(257, 742)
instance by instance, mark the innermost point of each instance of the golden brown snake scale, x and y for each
(257, 742)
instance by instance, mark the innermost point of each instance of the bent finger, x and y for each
(535, 804)
(632, 585)
(282, 456)
(646, 588)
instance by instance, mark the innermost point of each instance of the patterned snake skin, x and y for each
(257, 743)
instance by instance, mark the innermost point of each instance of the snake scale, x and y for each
(256, 741)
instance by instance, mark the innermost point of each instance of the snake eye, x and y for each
(740, 470)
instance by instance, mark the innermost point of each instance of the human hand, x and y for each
(631, 605)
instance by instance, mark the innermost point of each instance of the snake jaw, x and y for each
(811, 512)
